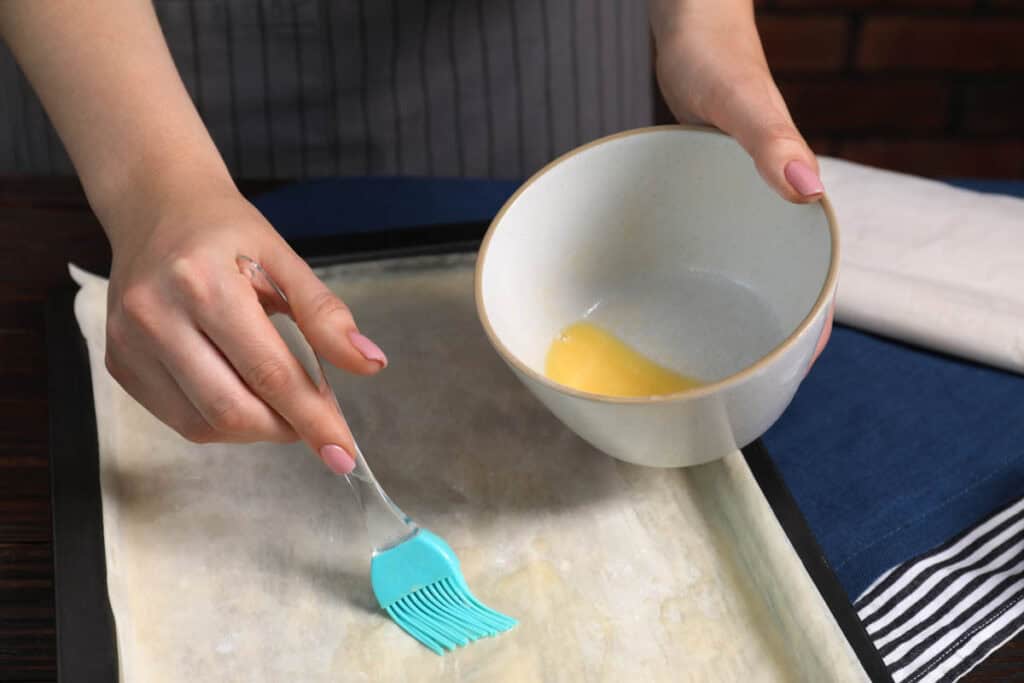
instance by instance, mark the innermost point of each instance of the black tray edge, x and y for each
(86, 645)
(770, 480)
(85, 626)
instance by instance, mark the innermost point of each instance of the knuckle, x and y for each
(117, 334)
(283, 436)
(226, 414)
(731, 94)
(136, 302)
(113, 367)
(776, 141)
(197, 431)
(324, 425)
(325, 305)
(269, 377)
(716, 99)
(191, 279)
(780, 131)
(140, 310)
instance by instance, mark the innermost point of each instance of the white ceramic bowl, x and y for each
(668, 238)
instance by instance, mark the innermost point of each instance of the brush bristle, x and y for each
(443, 616)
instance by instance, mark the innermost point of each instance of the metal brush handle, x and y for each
(386, 524)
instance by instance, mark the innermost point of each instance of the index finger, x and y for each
(239, 327)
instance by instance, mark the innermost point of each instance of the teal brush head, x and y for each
(420, 585)
(415, 574)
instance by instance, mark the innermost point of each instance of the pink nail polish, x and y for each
(803, 178)
(337, 459)
(369, 350)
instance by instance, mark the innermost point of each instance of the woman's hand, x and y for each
(188, 337)
(186, 333)
(712, 69)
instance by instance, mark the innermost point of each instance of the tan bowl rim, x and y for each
(824, 295)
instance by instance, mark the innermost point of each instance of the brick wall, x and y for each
(934, 87)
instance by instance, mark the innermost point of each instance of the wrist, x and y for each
(674, 22)
(132, 202)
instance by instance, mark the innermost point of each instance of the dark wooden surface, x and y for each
(43, 225)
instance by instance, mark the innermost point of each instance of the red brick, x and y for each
(903, 42)
(941, 158)
(804, 43)
(856, 106)
(995, 108)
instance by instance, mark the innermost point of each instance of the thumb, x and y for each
(754, 113)
(324, 319)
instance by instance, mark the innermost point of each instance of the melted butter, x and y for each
(588, 358)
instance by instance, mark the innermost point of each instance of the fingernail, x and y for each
(803, 178)
(369, 350)
(337, 459)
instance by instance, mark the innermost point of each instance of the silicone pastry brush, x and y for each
(415, 575)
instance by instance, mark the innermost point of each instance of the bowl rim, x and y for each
(827, 290)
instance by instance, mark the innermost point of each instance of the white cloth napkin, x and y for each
(930, 264)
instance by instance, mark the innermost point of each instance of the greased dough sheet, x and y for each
(249, 562)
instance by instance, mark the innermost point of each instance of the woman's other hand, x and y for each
(188, 337)
(711, 69)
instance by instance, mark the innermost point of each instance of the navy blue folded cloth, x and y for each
(891, 450)
(354, 205)
(888, 450)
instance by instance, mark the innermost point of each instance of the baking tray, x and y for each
(86, 649)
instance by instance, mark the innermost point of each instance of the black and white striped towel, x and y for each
(938, 615)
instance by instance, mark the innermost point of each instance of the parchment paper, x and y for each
(930, 264)
(248, 563)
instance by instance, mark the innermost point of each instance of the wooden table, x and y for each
(43, 225)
